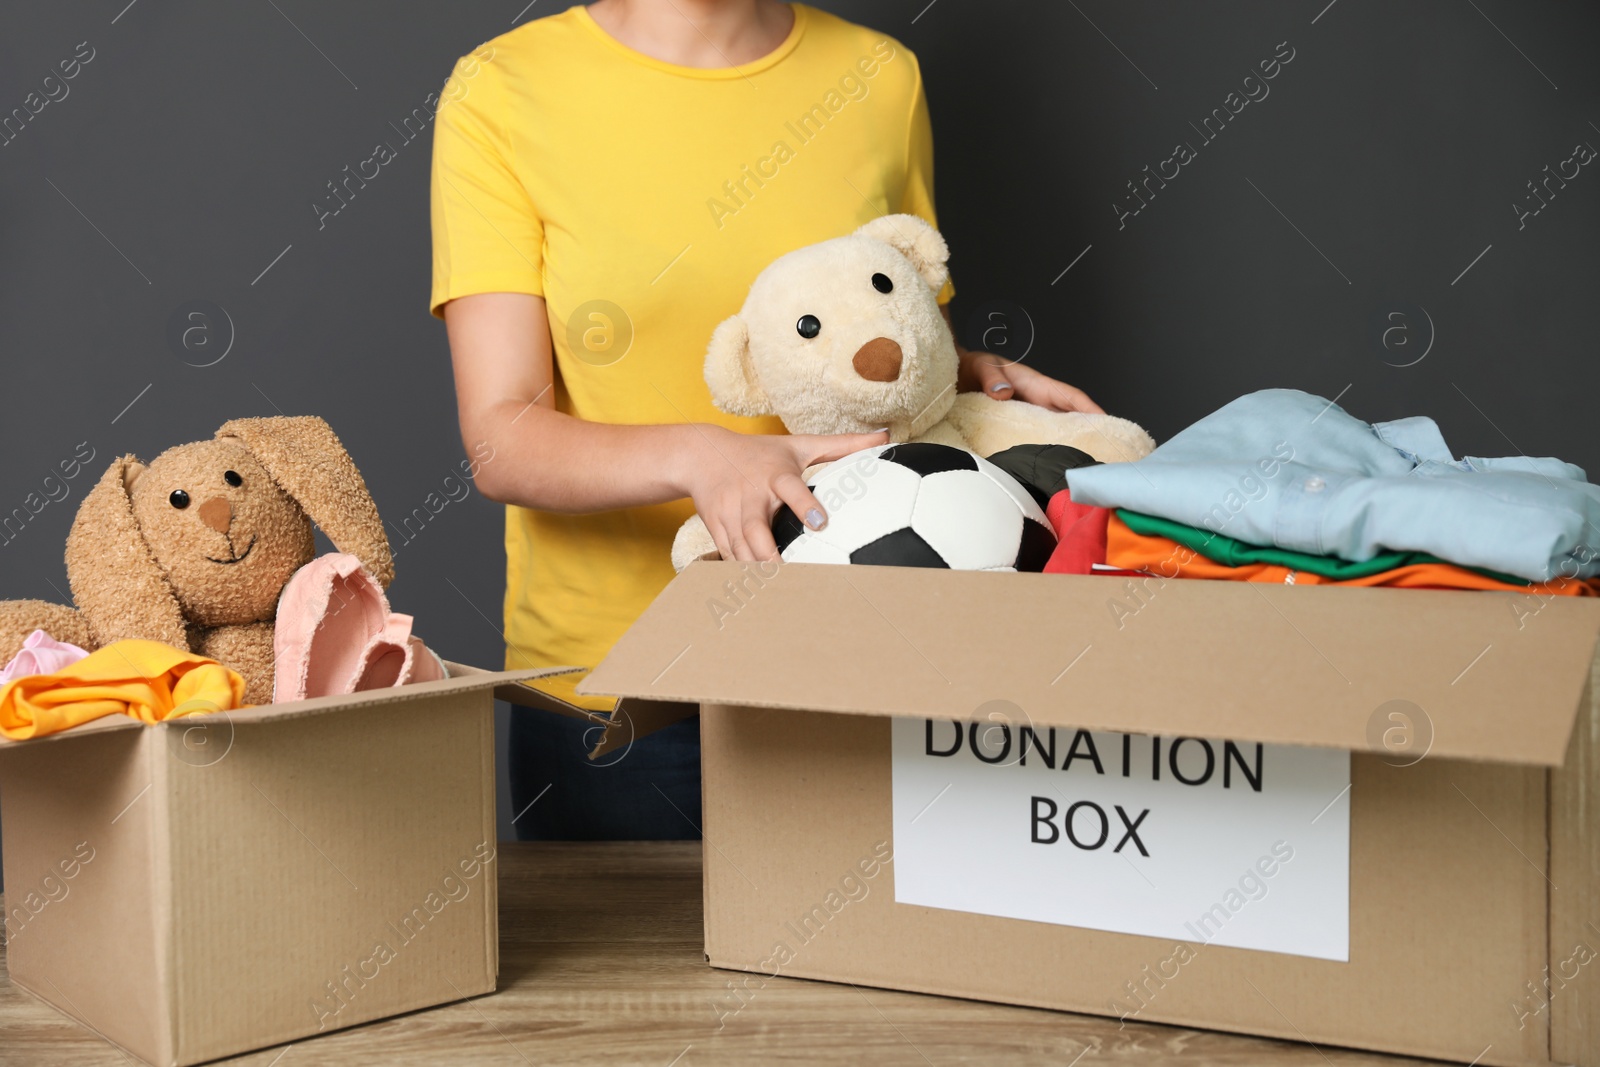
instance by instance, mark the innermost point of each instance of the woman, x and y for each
(607, 183)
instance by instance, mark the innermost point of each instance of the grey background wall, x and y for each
(1358, 231)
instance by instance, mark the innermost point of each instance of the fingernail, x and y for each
(880, 429)
(999, 386)
(816, 519)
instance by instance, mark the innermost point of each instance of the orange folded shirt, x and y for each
(1166, 558)
(145, 680)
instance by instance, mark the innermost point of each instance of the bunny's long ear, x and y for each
(913, 238)
(731, 375)
(115, 580)
(308, 463)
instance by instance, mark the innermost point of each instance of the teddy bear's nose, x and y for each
(878, 360)
(217, 513)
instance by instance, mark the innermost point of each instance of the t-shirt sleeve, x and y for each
(918, 197)
(487, 235)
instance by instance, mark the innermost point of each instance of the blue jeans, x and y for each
(648, 792)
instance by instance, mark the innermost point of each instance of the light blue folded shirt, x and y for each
(1282, 467)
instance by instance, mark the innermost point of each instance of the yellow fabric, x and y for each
(568, 166)
(146, 680)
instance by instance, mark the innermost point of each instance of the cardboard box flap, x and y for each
(1472, 675)
(462, 679)
(618, 728)
(528, 696)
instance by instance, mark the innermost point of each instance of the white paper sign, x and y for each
(1200, 841)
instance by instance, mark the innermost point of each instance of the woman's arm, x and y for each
(500, 348)
(1002, 379)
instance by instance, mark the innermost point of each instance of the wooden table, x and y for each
(601, 962)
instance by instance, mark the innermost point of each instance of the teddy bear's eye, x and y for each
(882, 283)
(179, 499)
(808, 326)
(232, 478)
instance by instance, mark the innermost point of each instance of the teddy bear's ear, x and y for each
(730, 373)
(115, 580)
(913, 238)
(307, 461)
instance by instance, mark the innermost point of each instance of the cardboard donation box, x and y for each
(228, 882)
(1359, 817)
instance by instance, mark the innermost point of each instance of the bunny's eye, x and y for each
(232, 478)
(179, 499)
(808, 326)
(882, 283)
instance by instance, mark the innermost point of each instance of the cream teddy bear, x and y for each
(846, 336)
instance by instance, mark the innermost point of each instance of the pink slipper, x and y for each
(395, 657)
(335, 635)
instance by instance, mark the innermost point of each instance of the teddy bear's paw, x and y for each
(991, 426)
(1119, 440)
(693, 541)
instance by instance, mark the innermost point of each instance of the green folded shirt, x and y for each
(1233, 553)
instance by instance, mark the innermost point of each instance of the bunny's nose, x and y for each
(878, 360)
(217, 513)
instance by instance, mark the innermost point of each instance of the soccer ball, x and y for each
(920, 505)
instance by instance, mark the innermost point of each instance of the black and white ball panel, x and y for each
(786, 525)
(920, 505)
(866, 499)
(1038, 545)
(925, 458)
(903, 548)
(964, 515)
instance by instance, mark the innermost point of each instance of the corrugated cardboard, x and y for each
(1455, 861)
(613, 730)
(217, 884)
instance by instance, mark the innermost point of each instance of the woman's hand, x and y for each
(737, 481)
(989, 374)
(1000, 379)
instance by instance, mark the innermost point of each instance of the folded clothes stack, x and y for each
(1281, 486)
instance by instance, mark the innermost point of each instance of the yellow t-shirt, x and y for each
(641, 199)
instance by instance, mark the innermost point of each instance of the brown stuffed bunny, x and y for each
(194, 548)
